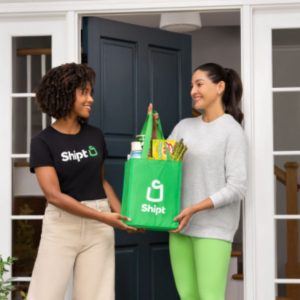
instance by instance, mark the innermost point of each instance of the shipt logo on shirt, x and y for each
(79, 155)
(154, 194)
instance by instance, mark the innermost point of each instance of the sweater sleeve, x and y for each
(175, 132)
(235, 170)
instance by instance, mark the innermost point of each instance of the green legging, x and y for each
(200, 266)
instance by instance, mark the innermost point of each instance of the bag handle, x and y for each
(147, 131)
(159, 131)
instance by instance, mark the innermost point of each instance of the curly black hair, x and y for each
(55, 95)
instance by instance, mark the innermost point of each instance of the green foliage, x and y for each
(5, 284)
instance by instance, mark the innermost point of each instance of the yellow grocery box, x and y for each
(159, 148)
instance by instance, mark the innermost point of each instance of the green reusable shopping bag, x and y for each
(151, 190)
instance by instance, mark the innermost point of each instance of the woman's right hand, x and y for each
(183, 218)
(116, 220)
(155, 119)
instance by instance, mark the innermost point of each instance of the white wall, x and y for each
(217, 44)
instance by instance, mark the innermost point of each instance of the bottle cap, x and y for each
(136, 146)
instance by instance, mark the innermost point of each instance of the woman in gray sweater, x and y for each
(214, 182)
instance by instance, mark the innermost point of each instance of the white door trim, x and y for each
(263, 163)
(73, 37)
(6, 143)
(104, 6)
(249, 238)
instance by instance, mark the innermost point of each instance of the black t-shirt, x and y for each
(77, 159)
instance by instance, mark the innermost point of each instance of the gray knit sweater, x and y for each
(214, 166)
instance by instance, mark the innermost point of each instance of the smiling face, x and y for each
(205, 93)
(83, 102)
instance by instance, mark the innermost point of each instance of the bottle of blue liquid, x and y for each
(136, 150)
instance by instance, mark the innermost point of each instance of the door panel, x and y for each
(162, 282)
(136, 65)
(127, 281)
(117, 86)
(164, 84)
(119, 66)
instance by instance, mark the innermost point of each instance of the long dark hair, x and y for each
(55, 95)
(233, 87)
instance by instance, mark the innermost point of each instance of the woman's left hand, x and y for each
(183, 218)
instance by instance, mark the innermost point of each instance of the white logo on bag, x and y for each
(148, 208)
(155, 185)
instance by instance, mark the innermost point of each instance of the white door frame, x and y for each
(18, 26)
(264, 21)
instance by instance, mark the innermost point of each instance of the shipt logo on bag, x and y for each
(154, 194)
(79, 155)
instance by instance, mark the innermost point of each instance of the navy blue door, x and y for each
(136, 65)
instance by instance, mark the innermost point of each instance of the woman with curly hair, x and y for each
(82, 207)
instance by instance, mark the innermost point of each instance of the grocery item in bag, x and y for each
(159, 148)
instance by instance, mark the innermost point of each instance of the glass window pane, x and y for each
(28, 64)
(21, 290)
(288, 249)
(25, 241)
(28, 198)
(288, 291)
(287, 184)
(286, 121)
(286, 57)
(27, 121)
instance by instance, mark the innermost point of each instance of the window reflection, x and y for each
(31, 58)
(287, 184)
(286, 57)
(286, 121)
(28, 198)
(20, 291)
(26, 238)
(288, 249)
(288, 291)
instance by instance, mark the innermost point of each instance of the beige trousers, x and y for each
(69, 244)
